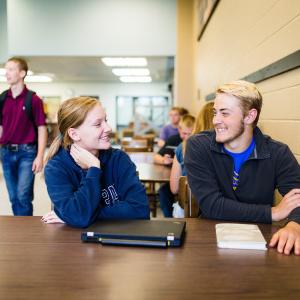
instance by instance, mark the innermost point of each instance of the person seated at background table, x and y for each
(171, 129)
(203, 122)
(234, 170)
(166, 154)
(87, 179)
(183, 111)
(164, 157)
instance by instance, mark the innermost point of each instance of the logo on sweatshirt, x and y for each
(109, 195)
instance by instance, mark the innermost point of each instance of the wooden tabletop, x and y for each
(40, 261)
(150, 172)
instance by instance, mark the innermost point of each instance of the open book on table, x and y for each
(240, 236)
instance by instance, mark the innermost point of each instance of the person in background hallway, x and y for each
(166, 198)
(234, 170)
(203, 122)
(171, 129)
(183, 111)
(86, 179)
(23, 140)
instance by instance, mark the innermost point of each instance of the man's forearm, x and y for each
(295, 215)
(158, 159)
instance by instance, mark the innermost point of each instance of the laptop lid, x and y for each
(148, 233)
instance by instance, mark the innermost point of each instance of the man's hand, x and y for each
(289, 202)
(37, 165)
(287, 238)
(167, 160)
(51, 218)
(84, 158)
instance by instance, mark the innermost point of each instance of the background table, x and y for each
(39, 261)
(150, 172)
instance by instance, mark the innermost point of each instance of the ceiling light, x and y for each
(145, 79)
(3, 72)
(131, 72)
(33, 78)
(38, 78)
(124, 61)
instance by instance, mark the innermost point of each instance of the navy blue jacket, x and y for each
(209, 170)
(80, 197)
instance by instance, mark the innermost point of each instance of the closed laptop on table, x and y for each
(148, 233)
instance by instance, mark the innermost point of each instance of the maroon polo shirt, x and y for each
(17, 128)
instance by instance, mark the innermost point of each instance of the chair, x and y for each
(147, 157)
(135, 149)
(186, 200)
(149, 138)
(151, 194)
(126, 132)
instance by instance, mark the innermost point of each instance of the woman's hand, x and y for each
(51, 218)
(83, 158)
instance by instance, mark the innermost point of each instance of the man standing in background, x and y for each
(23, 137)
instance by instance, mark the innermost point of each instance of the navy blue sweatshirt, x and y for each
(80, 197)
(209, 170)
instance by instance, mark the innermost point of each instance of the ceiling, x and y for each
(91, 69)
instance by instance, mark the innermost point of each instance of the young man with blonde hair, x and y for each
(23, 136)
(234, 170)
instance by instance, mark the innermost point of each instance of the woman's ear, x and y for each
(251, 116)
(73, 134)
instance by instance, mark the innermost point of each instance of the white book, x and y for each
(240, 236)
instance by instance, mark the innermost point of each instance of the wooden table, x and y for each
(40, 261)
(150, 172)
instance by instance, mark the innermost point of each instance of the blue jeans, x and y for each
(17, 164)
(166, 200)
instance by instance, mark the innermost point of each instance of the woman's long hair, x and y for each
(71, 114)
(204, 121)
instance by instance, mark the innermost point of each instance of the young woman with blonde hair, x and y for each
(87, 179)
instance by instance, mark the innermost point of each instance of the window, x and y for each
(149, 111)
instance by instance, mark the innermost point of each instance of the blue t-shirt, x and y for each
(179, 156)
(239, 159)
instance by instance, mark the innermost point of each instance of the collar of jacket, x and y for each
(261, 150)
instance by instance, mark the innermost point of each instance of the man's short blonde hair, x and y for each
(247, 93)
(187, 121)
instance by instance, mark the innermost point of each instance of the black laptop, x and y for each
(148, 233)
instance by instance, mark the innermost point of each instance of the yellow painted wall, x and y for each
(184, 77)
(242, 37)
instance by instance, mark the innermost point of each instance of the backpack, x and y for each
(27, 106)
